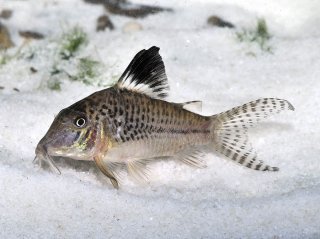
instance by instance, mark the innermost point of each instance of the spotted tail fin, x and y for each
(230, 130)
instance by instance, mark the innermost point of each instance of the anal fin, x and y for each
(192, 157)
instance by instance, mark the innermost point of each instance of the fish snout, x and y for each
(39, 151)
(54, 141)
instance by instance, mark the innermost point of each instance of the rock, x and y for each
(125, 8)
(5, 39)
(103, 1)
(31, 35)
(131, 27)
(132, 10)
(5, 13)
(33, 70)
(104, 22)
(219, 22)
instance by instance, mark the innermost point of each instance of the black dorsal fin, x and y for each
(146, 74)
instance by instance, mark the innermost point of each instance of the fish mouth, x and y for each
(42, 157)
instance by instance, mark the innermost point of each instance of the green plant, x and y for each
(72, 41)
(4, 58)
(54, 84)
(260, 35)
(87, 70)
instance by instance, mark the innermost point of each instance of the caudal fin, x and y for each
(230, 130)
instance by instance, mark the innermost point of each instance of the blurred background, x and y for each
(85, 41)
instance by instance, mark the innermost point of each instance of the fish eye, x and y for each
(80, 122)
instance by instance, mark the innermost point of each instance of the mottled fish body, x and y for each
(131, 124)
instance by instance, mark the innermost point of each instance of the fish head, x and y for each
(72, 134)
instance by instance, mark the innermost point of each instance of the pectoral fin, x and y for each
(106, 171)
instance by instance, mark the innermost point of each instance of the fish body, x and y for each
(141, 127)
(131, 124)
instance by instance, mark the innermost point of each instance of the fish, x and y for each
(131, 124)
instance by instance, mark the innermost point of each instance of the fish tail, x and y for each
(229, 130)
